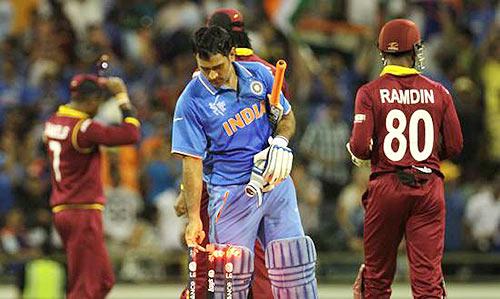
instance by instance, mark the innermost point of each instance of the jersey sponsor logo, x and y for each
(407, 96)
(244, 118)
(393, 46)
(218, 107)
(56, 131)
(423, 169)
(178, 118)
(257, 88)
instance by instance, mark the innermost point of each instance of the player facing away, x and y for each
(220, 124)
(232, 21)
(72, 139)
(405, 124)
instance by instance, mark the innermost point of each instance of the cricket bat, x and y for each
(279, 77)
(276, 110)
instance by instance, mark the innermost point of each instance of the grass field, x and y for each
(332, 291)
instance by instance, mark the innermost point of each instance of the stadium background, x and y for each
(330, 49)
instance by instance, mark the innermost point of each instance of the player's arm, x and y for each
(189, 142)
(360, 143)
(94, 133)
(180, 203)
(286, 126)
(192, 177)
(127, 132)
(451, 132)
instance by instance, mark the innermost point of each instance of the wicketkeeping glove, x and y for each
(355, 160)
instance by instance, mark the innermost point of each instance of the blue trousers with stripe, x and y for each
(235, 218)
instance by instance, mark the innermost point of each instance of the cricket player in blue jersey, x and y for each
(222, 130)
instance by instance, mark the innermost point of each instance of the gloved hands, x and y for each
(119, 90)
(275, 114)
(271, 166)
(279, 160)
(355, 160)
(257, 185)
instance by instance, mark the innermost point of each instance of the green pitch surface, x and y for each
(330, 291)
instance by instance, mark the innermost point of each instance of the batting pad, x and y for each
(291, 264)
(237, 260)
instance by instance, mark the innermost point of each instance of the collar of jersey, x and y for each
(241, 72)
(65, 110)
(398, 70)
(244, 51)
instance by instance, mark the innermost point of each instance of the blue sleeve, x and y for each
(188, 136)
(269, 79)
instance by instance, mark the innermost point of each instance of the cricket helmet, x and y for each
(399, 36)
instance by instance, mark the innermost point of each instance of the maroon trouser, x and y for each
(90, 274)
(394, 210)
(261, 286)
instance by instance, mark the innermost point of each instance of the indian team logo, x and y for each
(257, 88)
(393, 46)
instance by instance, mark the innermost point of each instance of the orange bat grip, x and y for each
(279, 76)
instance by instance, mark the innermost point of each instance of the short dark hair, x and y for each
(208, 41)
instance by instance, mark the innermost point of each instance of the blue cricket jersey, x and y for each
(224, 127)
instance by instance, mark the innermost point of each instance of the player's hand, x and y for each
(257, 185)
(119, 90)
(275, 113)
(357, 287)
(194, 234)
(116, 85)
(355, 160)
(180, 205)
(279, 161)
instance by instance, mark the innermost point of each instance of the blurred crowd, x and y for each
(330, 49)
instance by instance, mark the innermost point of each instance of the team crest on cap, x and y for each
(257, 88)
(393, 46)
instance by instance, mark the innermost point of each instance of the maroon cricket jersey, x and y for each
(72, 140)
(411, 119)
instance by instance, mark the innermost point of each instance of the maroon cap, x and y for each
(87, 83)
(228, 18)
(398, 35)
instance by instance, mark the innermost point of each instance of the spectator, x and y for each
(120, 215)
(455, 207)
(309, 198)
(482, 214)
(143, 250)
(7, 199)
(323, 145)
(350, 212)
